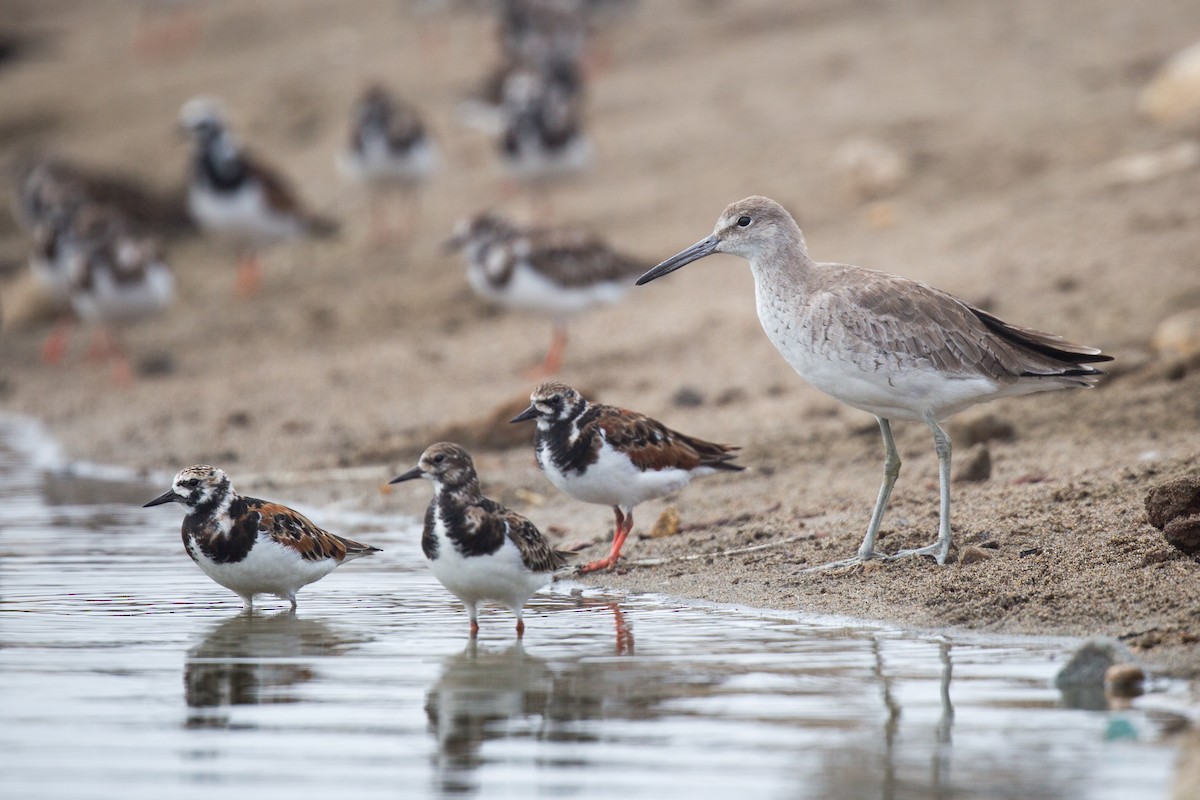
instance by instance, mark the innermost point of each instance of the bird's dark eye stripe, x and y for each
(744, 222)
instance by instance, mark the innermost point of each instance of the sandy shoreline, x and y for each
(358, 357)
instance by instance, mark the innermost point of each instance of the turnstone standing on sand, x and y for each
(233, 194)
(887, 345)
(389, 148)
(116, 278)
(253, 546)
(614, 457)
(543, 134)
(477, 548)
(559, 272)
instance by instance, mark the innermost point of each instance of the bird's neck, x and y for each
(784, 265)
(213, 513)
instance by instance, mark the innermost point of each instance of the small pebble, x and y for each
(1125, 680)
(973, 555)
(976, 466)
(1174, 508)
(667, 523)
(687, 397)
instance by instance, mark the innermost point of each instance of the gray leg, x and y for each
(941, 548)
(891, 470)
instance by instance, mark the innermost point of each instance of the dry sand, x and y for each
(354, 357)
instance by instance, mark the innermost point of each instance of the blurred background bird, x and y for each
(390, 152)
(233, 194)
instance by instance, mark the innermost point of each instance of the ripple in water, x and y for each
(125, 673)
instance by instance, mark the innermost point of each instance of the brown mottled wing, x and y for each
(652, 445)
(572, 258)
(292, 529)
(536, 552)
(280, 196)
(882, 319)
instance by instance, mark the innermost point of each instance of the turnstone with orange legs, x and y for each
(389, 148)
(477, 548)
(610, 456)
(117, 280)
(887, 345)
(234, 195)
(559, 272)
(253, 546)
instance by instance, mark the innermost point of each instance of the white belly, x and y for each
(529, 290)
(501, 576)
(614, 480)
(242, 216)
(111, 302)
(377, 164)
(890, 387)
(268, 568)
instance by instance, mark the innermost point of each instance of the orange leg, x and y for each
(520, 628)
(554, 356)
(249, 276)
(624, 632)
(624, 526)
(474, 629)
(55, 346)
(103, 346)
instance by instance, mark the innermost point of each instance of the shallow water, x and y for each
(124, 672)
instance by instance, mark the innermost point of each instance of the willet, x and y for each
(884, 344)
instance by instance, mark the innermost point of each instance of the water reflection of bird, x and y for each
(251, 659)
(483, 695)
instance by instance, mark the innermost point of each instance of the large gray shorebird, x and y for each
(884, 344)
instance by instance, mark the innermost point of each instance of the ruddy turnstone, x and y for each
(614, 457)
(477, 548)
(559, 272)
(543, 135)
(232, 194)
(884, 344)
(253, 546)
(118, 279)
(389, 148)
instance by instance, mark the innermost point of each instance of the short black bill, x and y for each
(528, 413)
(705, 247)
(165, 497)
(415, 472)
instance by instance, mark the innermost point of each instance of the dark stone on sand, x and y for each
(977, 430)
(975, 466)
(156, 365)
(1081, 680)
(1174, 508)
(687, 397)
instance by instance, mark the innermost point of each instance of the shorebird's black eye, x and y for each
(194, 482)
(439, 458)
(744, 222)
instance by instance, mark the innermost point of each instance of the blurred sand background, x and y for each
(1012, 118)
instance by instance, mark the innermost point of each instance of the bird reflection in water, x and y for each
(255, 659)
(484, 695)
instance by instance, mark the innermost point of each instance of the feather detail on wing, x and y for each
(292, 529)
(889, 319)
(282, 198)
(572, 257)
(651, 445)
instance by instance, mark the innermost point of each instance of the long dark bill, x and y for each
(702, 248)
(165, 497)
(415, 472)
(528, 413)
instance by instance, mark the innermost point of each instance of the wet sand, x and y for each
(354, 357)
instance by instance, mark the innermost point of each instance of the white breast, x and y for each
(614, 480)
(501, 576)
(112, 302)
(242, 215)
(884, 386)
(268, 568)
